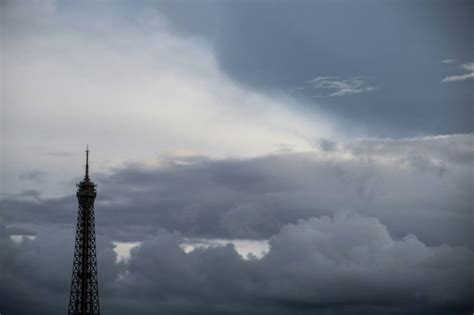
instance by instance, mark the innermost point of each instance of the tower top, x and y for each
(86, 186)
(87, 164)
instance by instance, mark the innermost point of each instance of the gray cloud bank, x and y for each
(370, 226)
(329, 265)
(420, 185)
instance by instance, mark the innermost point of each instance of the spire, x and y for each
(87, 163)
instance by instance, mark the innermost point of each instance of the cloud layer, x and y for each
(276, 46)
(200, 154)
(419, 186)
(119, 82)
(330, 265)
(372, 226)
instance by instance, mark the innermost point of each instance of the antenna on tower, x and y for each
(87, 163)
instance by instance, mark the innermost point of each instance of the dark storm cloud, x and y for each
(420, 186)
(368, 226)
(35, 274)
(400, 44)
(329, 265)
(314, 264)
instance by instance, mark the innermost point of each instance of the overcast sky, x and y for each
(252, 157)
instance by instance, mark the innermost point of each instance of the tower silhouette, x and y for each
(84, 297)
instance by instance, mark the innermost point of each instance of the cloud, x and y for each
(342, 87)
(469, 67)
(182, 154)
(320, 258)
(314, 264)
(36, 176)
(126, 82)
(448, 61)
(36, 273)
(248, 249)
(328, 264)
(360, 249)
(279, 46)
(418, 185)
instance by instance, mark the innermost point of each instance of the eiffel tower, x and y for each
(84, 297)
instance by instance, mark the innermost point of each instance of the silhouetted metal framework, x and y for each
(84, 298)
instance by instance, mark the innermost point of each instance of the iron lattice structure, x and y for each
(84, 298)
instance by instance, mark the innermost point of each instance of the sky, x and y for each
(251, 157)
